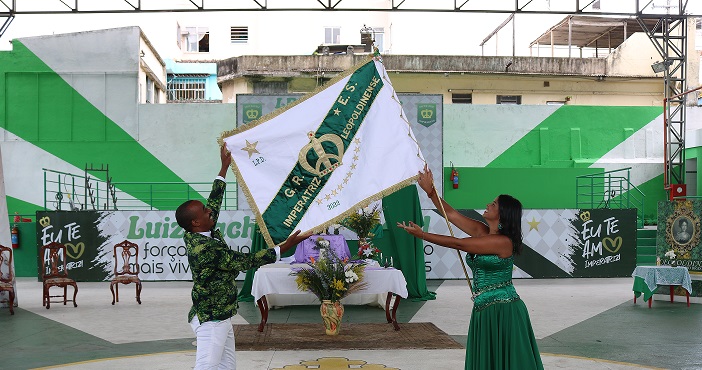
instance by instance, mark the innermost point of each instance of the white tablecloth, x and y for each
(275, 282)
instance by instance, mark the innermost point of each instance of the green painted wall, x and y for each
(25, 257)
(45, 111)
(536, 188)
(695, 153)
(575, 136)
(20, 207)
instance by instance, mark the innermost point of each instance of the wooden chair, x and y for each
(126, 269)
(7, 278)
(56, 274)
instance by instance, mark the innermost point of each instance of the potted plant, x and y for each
(330, 279)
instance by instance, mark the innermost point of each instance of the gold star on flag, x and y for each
(533, 224)
(336, 111)
(251, 148)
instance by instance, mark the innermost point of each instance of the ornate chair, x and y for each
(126, 269)
(7, 278)
(55, 273)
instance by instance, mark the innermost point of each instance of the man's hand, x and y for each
(226, 158)
(294, 239)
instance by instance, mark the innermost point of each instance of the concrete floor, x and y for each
(579, 324)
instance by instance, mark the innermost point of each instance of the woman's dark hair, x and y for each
(511, 220)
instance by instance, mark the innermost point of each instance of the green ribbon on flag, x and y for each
(324, 153)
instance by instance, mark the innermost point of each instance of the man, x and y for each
(214, 267)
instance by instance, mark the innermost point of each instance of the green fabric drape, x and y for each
(406, 250)
(257, 244)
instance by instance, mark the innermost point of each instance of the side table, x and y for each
(648, 278)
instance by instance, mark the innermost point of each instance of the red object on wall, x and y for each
(677, 190)
(454, 178)
(15, 237)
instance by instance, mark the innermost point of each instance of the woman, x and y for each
(500, 334)
(682, 236)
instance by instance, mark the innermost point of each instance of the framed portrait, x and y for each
(683, 228)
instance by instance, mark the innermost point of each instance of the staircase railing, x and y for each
(66, 191)
(610, 189)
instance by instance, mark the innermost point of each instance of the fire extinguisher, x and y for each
(454, 176)
(15, 237)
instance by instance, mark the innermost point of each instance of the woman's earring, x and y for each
(499, 226)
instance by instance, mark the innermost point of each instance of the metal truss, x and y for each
(566, 7)
(669, 36)
(9, 9)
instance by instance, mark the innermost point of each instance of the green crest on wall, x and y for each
(251, 112)
(426, 114)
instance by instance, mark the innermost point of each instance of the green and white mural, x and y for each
(71, 100)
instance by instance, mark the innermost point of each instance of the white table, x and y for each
(274, 286)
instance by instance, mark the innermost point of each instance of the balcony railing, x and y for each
(66, 191)
(610, 189)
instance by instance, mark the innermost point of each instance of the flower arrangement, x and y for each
(670, 254)
(328, 277)
(366, 250)
(363, 221)
(321, 245)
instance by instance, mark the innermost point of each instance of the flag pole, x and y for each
(463, 264)
(377, 55)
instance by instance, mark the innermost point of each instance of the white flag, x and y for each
(315, 161)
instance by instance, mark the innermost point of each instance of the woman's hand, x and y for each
(426, 180)
(412, 228)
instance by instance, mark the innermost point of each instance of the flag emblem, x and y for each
(326, 154)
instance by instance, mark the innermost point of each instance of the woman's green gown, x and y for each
(500, 336)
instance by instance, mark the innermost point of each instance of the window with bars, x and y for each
(509, 99)
(462, 98)
(186, 88)
(239, 35)
(270, 87)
